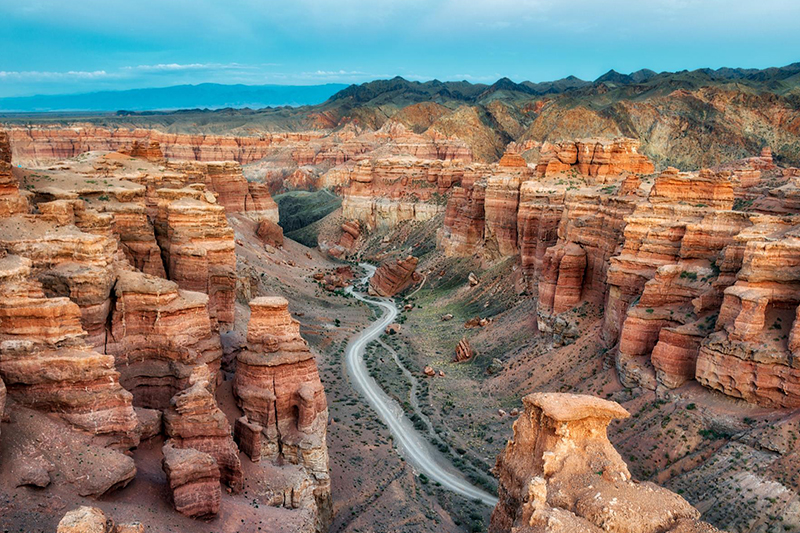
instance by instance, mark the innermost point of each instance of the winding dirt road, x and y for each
(412, 446)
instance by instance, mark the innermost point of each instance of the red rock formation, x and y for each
(68, 261)
(159, 335)
(193, 478)
(752, 355)
(384, 192)
(270, 233)
(151, 151)
(259, 205)
(199, 249)
(63, 143)
(11, 201)
(672, 242)
(464, 220)
(560, 474)
(195, 421)
(278, 388)
(464, 351)
(593, 158)
(394, 277)
(46, 364)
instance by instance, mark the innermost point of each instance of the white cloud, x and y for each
(36, 75)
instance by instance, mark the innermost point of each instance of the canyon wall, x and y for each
(693, 272)
(117, 278)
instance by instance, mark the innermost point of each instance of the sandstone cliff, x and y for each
(277, 386)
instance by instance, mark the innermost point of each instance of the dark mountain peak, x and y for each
(612, 76)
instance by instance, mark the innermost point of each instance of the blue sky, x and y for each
(60, 46)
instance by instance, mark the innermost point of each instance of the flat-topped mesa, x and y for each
(277, 385)
(47, 365)
(560, 474)
(671, 261)
(159, 335)
(198, 246)
(754, 352)
(394, 277)
(194, 420)
(11, 201)
(593, 158)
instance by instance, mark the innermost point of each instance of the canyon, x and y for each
(553, 315)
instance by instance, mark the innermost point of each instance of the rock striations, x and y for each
(277, 385)
(560, 474)
(394, 277)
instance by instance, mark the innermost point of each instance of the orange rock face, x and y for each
(159, 335)
(199, 249)
(394, 277)
(11, 201)
(464, 351)
(46, 364)
(560, 474)
(277, 386)
(195, 421)
(193, 478)
(593, 158)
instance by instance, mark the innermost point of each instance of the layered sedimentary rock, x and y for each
(501, 203)
(198, 246)
(464, 220)
(673, 244)
(194, 420)
(464, 351)
(384, 192)
(594, 158)
(277, 386)
(754, 352)
(62, 143)
(68, 261)
(394, 277)
(574, 269)
(11, 201)
(194, 479)
(47, 365)
(560, 474)
(159, 335)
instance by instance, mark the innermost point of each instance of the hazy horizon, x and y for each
(52, 47)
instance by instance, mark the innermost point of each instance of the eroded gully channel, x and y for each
(412, 445)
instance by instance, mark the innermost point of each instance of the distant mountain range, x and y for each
(686, 119)
(203, 96)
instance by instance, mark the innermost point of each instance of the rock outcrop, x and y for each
(277, 386)
(198, 247)
(47, 365)
(560, 474)
(194, 479)
(394, 277)
(195, 421)
(93, 520)
(159, 335)
(593, 158)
